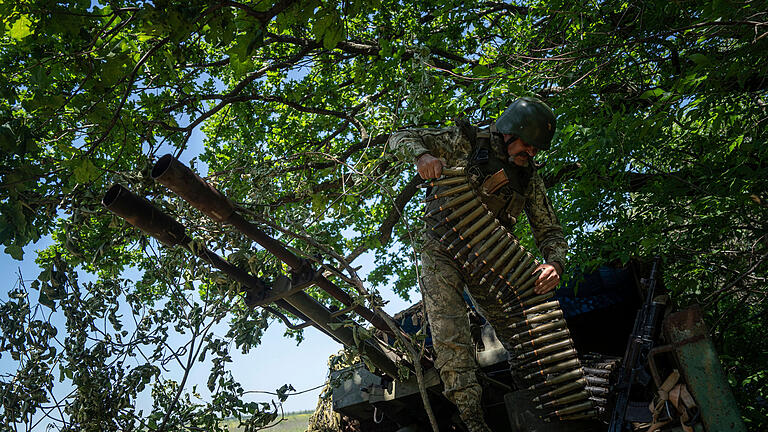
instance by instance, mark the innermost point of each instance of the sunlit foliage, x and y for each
(661, 150)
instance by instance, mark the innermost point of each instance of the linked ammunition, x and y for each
(492, 241)
(503, 243)
(552, 359)
(538, 319)
(599, 400)
(572, 409)
(597, 372)
(545, 349)
(571, 386)
(477, 226)
(565, 400)
(453, 191)
(486, 248)
(528, 288)
(597, 391)
(501, 262)
(544, 328)
(447, 181)
(452, 203)
(511, 263)
(516, 306)
(478, 238)
(496, 265)
(559, 379)
(474, 214)
(596, 381)
(560, 367)
(530, 282)
(542, 307)
(524, 265)
(459, 212)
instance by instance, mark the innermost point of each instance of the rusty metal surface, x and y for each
(183, 181)
(192, 188)
(140, 213)
(380, 355)
(697, 358)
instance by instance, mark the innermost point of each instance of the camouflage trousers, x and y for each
(442, 287)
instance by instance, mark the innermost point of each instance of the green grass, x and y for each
(293, 422)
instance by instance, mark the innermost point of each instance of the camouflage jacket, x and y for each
(453, 147)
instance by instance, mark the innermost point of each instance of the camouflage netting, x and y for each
(325, 419)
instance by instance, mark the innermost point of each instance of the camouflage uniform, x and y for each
(443, 280)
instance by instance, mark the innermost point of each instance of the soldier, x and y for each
(526, 127)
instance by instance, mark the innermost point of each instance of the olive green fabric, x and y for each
(443, 281)
(441, 288)
(454, 148)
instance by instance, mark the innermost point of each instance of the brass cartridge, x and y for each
(558, 368)
(491, 227)
(558, 313)
(479, 224)
(453, 191)
(446, 181)
(572, 409)
(516, 306)
(552, 358)
(567, 388)
(559, 379)
(452, 203)
(544, 328)
(545, 349)
(565, 400)
(492, 241)
(453, 171)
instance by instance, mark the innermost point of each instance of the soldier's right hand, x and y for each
(429, 166)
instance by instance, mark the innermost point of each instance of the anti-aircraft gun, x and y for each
(669, 378)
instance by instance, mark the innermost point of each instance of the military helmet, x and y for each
(530, 119)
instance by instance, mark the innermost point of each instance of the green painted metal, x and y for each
(697, 358)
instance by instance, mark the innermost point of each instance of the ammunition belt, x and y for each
(543, 356)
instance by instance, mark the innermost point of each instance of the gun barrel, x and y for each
(142, 214)
(185, 183)
(177, 177)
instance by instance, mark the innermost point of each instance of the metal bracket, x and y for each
(284, 286)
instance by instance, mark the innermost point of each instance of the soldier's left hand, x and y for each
(548, 279)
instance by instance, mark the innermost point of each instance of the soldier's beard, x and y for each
(525, 156)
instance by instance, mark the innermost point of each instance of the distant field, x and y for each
(294, 422)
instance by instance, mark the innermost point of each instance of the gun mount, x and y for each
(286, 292)
(679, 398)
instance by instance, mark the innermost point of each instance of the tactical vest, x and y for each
(501, 184)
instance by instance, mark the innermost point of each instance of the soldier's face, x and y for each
(519, 151)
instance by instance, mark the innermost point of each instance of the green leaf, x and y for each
(45, 300)
(329, 28)
(700, 59)
(86, 172)
(20, 29)
(736, 143)
(648, 94)
(481, 70)
(16, 252)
